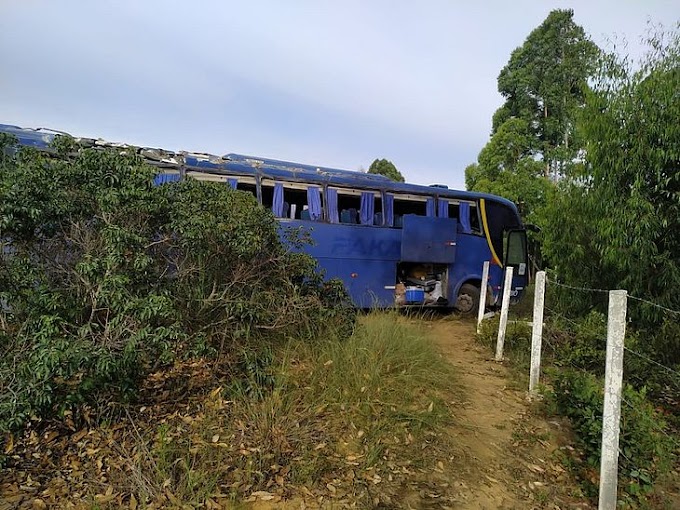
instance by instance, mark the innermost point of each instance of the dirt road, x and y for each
(509, 456)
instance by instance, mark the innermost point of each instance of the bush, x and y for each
(104, 276)
(517, 343)
(645, 447)
(582, 343)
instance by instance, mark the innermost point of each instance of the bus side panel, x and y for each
(472, 252)
(363, 257)
(364, 279)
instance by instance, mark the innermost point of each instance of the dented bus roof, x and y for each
(238, 164)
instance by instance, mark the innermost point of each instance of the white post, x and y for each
(507, 285)
(611, 415)
(537, 332)
(482, 295)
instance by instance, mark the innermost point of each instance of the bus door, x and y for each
(428, 240)
(515, 255)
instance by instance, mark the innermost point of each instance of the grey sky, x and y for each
(329, 83)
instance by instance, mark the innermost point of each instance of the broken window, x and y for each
(238, 182)
(354, 207)
(397, 206)
(292, 200)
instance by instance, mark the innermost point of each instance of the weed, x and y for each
(645, 448)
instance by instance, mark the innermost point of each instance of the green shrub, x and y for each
(582, 343)
(517, 342)
(645, 446)
(104, 276)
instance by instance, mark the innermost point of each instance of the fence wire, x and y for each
(666, 309)
(656, 305)
(653, 362)
(572, 287)
(668, 377)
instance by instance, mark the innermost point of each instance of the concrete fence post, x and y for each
(507, 287)
(482, 295)
(611, 415)
(537, 332)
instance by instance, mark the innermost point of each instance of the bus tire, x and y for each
(467, 302)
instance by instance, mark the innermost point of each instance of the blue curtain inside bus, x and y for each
(332, 205)
(367, 208)
(443, 208)
(277, 204)
(232, 183)
(464, 217)
(163, 178)
(314, 202)
(389, 210)
(429, 207)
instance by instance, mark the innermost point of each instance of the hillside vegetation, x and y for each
(105, 278)
(587, 144)
(160, 346)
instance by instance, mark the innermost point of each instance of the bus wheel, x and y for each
(467, 302)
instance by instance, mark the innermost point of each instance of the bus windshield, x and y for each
(501, 218)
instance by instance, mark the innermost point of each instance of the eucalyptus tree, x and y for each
(619, 221)
(534, 133)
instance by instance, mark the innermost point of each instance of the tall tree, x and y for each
(545, 82)
(533, 132)
(506, 168)
(386, 168)
(620, 219)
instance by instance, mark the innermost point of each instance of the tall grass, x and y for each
(330, 411)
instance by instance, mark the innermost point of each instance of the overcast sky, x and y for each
(331, 83)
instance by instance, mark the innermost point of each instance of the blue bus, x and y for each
(391, 243)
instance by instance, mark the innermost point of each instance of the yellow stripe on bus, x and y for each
(482, 204)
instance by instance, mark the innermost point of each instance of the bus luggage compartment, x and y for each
(429, 240)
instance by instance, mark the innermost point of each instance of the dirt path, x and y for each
(508, 455)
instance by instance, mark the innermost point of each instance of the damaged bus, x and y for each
(391, 243)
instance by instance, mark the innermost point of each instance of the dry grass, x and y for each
(347, 420)
(361, 421)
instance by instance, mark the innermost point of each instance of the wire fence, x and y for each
(554, 315)
(579, 342)
(656, 305)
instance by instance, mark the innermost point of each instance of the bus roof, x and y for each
(42, 139)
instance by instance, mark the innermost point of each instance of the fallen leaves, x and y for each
(329, 454)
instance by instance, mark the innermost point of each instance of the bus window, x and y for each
(241, 182)
(267, 194)
(292, 200)
(515, 248)
(354, 207)
(378, 213)
(247, 184)
(500, 218)
(410, 204)
(453, 210)
(471, 222)
(475, 224)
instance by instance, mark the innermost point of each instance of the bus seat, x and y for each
(304, 215)
(353, 216)
(398, 221)
(344, 216)
(378, 218)
(286, 208)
